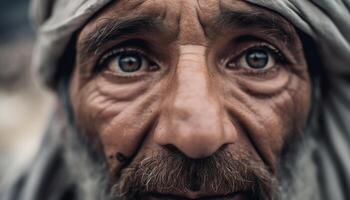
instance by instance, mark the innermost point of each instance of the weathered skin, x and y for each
(192, 101)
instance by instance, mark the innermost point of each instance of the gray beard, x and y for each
(297, 175)
(88, 171)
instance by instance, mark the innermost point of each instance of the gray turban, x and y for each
(327, 22)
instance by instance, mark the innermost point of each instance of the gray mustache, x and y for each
(169, 172)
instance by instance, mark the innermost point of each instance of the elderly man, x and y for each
(193, 99)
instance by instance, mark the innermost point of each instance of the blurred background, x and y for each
(24, 105)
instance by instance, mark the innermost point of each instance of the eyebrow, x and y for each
(110, 29)
(270, 24)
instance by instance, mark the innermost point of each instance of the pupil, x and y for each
(257, 59)
(129, 63)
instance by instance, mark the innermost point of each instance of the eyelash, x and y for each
(114, 52)
(277, 54)
(274, 51)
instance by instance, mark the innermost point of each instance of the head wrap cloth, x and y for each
(327, 22)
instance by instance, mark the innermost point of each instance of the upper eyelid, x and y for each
(267, 46)
(278, 54)
(140, 50)
(136, 44)
(115, 51)
(264, 46)
(101, 61)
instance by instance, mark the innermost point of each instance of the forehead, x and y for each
(180, 15)
(174, 8)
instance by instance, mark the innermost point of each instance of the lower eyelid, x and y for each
(122, 78)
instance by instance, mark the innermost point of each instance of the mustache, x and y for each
(170, 172)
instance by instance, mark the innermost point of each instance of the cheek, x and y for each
(283, 116)
(286, 114)
(291, 107)
(269, 121)
(116, 115)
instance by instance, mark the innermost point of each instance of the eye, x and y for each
(127, 62)
(257, 59)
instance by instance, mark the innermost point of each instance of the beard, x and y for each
(170, 172)
(166, 171)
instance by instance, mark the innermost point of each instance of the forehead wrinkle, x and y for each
(191, 32)
(134, 4)
(111, 29)
(109, 21)
(207, 11)
(126, 9)
(254, 17)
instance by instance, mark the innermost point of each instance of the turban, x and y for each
(327, 22)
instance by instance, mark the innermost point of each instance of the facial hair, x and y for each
(169, 172)
(164, 171)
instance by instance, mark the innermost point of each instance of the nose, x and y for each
(192, 120)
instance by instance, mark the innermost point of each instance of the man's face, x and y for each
(190, 99)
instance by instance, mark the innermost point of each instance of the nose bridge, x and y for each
(194, 123)
(192, 81)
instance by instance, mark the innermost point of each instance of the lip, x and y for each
(194, 196)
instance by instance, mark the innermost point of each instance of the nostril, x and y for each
(194, 152)
(173, 150)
